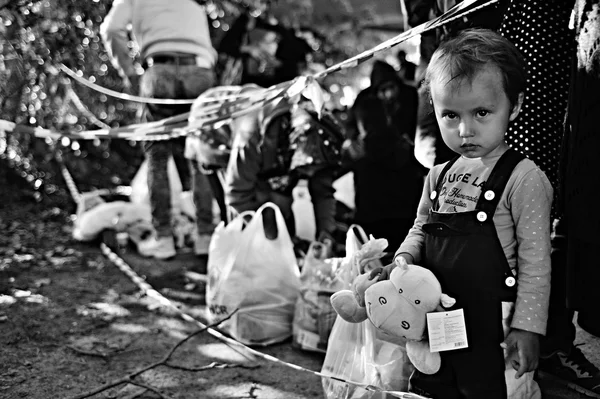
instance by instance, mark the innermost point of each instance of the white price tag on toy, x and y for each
(447, 331)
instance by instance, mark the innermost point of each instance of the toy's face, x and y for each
(393, 313)
(398, 306)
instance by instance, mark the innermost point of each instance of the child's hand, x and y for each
(523, 350)
(385, 272)
(382, 272)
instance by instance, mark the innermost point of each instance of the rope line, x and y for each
(75, 100)
(215, 113)
(122, 96)
(73, 190)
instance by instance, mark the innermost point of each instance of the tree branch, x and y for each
(129, 379)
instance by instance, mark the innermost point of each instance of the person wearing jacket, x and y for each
(387, 177)
(273, 150)
(178, 60)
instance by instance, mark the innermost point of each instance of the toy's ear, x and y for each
(422, 358)
(344, 303)
(401, 262)
(447, 301)
(360, 286)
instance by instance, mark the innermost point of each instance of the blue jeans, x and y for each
(176, 82)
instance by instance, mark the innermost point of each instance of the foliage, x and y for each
(38, 35)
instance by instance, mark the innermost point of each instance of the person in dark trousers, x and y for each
(380, 152)
(178, 60)
(576, 279)
(556, 63)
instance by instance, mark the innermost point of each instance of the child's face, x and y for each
(473, 115)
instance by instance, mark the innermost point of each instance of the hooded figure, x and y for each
(273, 150)
(387, 177)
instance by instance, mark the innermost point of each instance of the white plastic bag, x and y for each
(344, 190)
(314, 316)
(139, 185)
(355, 351)
(222, 251)
(304, 213)
(257, 276)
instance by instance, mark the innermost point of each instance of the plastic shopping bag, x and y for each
(255, 275)
(344, 190)
(222, 250)
(356, 351)
(304, 214)
(314, 316)
(139, 185)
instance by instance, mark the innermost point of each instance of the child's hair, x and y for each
(466, 54)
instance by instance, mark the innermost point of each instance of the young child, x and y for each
(482, 224)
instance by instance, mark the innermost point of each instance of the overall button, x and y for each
(510, 281)
(433, 195)
(481, 216)
(489, 195)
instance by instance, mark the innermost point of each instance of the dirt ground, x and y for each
(71, 323)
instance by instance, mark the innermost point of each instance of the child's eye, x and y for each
(482, 113)
(449, 115)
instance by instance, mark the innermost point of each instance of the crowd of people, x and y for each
(455, 162)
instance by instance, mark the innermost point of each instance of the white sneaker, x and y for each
(157, 247)
(201, 244)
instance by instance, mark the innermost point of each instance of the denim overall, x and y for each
(464, 252)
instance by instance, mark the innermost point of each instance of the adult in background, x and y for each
(407, 68)
(576, 277)
(275, 148)
(549, 47)
(178, 60)
(262, 52)
(388, 179)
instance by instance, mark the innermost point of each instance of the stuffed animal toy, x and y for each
(398, 308)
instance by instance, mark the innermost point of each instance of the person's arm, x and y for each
(115, 37)
(530, 201)
(241, 179)
(320, 187)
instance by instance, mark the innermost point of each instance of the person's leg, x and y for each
(475, 381)
(195, 81)
(159, 190)
(203, 201)
(181, 163)
(216, 187)
(284, 203)
(320, 187)
(159, 81)
(560, 332)
(441, 385)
